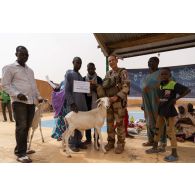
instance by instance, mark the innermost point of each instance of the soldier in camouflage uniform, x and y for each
(116, 85)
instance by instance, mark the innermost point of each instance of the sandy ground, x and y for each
(50, 151)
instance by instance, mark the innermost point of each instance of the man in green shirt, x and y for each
(6, 102)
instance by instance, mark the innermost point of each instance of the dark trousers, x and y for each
(23, 115)
(8, 105)
(88, 131)
(75, 141)
(88, 134)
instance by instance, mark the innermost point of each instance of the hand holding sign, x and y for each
(81, 87)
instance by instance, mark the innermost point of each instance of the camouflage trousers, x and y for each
(170, 125)
(115, 118)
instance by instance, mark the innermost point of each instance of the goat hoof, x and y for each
(69, 156)
(96, 148)
(104, 151)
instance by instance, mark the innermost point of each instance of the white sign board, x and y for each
(81, 87)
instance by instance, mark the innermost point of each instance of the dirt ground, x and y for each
(50, 151)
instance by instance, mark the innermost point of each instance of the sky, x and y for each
(52, 53)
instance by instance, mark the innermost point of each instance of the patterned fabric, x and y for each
(115, 121)
(117, 110)
(121, 83)
(59, 127)
(58, 101)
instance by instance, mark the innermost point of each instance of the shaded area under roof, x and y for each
(126, 45)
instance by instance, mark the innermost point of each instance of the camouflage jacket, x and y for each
(120, 81)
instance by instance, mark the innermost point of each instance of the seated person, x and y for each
(191, 110)
(185, 125)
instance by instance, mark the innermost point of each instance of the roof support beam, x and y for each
(145, 40)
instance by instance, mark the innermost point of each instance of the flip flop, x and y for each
(152, 151)
(170, 158)
(147, 144)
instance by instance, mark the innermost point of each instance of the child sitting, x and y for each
(185, 124)
(191, 110)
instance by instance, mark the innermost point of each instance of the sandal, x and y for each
(152, 151)
(161, 149)
(148, 144)
(171, 158)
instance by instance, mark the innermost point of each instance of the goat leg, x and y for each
(96, 139)
(101, 140)
(41, 131)
(63, 142)
(31, 139)
(67, 136)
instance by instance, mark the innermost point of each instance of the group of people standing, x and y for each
(18, 81)
(160, 93)
(115, 85)
(159, 96)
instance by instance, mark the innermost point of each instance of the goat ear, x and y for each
(98, 100)
(99, 104)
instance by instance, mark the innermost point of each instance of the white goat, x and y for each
(37, 121)
(86, 120)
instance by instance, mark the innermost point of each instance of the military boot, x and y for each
(119, 149)
(109, 146)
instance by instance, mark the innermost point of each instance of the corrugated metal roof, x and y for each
(134, 44)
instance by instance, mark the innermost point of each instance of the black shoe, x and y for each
(87, 142)
(83, 146)
(75, 149)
